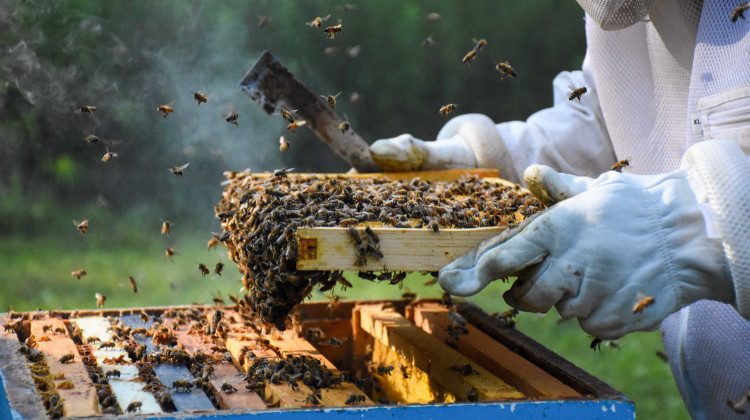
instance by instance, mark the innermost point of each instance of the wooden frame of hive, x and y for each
(517, 377)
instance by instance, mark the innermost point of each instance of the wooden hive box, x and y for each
(399, 358)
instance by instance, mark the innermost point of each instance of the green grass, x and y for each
(36, 274)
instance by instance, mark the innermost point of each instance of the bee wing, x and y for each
(337, 95)
(325, 18)
(184, 166)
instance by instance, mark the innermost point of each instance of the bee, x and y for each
(577, 93)
(447, 109)
(739, 11)
(263, 21)
(332, 31)
(452, 332)
(200, 98)
(318, 21)
(447, 300)
(100, 299)
(472, 395)
(177, 170)
(281, 173)
(231, 118)
(480, 44)
(409, 295)
(456, 318)
(144, 317)
(312, 399)
(170, 253)
(283, 144)
(642, 304)
(165, 225)
(293, 126)
(469, 57)
(134, 406)
(218, 268)
(344, 126)
(662, 355)
(619, 165)
(596, 344)
(212, 242)
(78, 273)
(91, 139)
(165, 109)
(203, 269)
(107, 345)
(433, 226)
(67, 358)
(505, 70)
(287, 115)
(385, 370)
(113, 373)
(228, 388)
(331, 99)
(355, 399)
(86, 109)
(464, 370)
(182, 386)
(108, 156)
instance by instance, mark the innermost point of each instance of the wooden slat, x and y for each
(493, 356)
(432, 356)
(331, 248)
(81, 400)
(20, 390)
(444, 175)
(242, 399)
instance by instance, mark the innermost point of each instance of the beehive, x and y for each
(395, 358)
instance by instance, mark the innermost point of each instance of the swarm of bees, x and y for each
(309, 370)
(260, 215)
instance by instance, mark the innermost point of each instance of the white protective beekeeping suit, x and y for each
(663, 75)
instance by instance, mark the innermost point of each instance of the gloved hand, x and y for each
(455, 147)
(608, 244)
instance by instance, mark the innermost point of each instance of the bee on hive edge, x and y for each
(577, 93)
(505, 70)
(165, 109)
(67, 358)
(232, 118)
(447, 109)
(739, 11)
(86, 109)
(282, 173)
(331, 99)
(177, 170)
(200, 97)
(318, 21)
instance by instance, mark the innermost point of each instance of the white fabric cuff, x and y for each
(718, 173)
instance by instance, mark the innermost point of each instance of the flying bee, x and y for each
(287, 115)
(203, 269)
(109, 155)
(283, 144)
(170, 253)
(231, 118)
(619, 165)
(165, 225)
(165, 109)
(91, 139)
(335, 342)
(505, 70)
(318, 21)
(177, 170)
(447, 109)
(218, 268)
(480, 44)
(469, 56)
(332, 31)
(577, 93)
(133, 286)
(433, 17)
(78, 273)
(344, 126)
(86, 109)
(67, 358)
(643, 303)
(281, 173)
(100, 299)
(293, 126)
(331, 99)
(82, 226)
(596, 344)
(263, 21)
(739, 11)
(200, 97)
(213, 242)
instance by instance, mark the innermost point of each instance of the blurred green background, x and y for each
(127, 58)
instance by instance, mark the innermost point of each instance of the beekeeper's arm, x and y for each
(621, 252)
(570, 136)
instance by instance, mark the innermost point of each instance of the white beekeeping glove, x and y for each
(619, 252)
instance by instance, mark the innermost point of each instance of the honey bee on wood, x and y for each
(619, 165)
(91, 139)
(353, 399)
(86, 109)
(332, 31)
(134, 406)
(231, 118)
(165, 226)
(471, 55)
(505, 70)
(287, 115)
(203, 269)
(218, 268)
(283, 144)
(199, 97)
(282, 173)
(331, 99)
(108, 156)
(577, 93)
(82, 226)
(447, 109)
(384, 370)
(642, 304)
(100, 299)
(293, 126)
(165, 109)
(78, 273)
(344, 126)
(67, 358)
(318, 21)
(182, 386)
(472, 395)
(170, 253)
(177, 170)
(739, 11)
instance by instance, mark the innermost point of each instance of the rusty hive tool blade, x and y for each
(272, 86)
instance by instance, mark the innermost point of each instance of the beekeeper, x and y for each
(669, 88)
